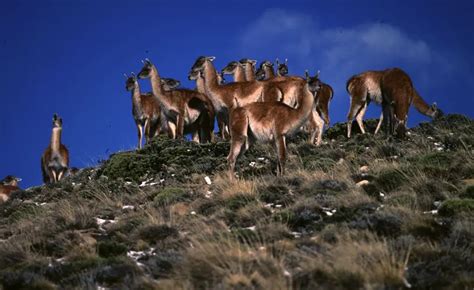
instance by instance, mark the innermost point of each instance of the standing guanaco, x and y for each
(268, 121)
(185, 111)
(366, 87)
(55, 159)
(200, 87)
(145, 111)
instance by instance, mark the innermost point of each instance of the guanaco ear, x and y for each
(306, 74)
(317, 74)
(286, 61)
(253, 61)
(60, 121)
(277, 61)
(147, 61)
(434, 106)
(125, 75)
(211, 58)
(55, 117)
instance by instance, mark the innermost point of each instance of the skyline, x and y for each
(68, 57)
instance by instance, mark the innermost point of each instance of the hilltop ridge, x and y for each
(370, 212)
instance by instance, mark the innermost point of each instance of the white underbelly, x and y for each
(191, 116)
(262, 133)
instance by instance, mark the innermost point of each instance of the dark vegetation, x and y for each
(148, 219)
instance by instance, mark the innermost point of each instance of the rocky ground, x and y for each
(371, 212)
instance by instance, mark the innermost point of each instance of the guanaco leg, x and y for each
(172, 130)
(354, 111)
(180, 120)
(379, 124)
(280, 144)
(140, 135)
(60, 175)
(147, 131)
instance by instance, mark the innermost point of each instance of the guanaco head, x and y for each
(194, 75)
(169, 84)
(57, 122)
(261, 74)
(10, 180)
(314, 83)
(282, 68)
(231, 67)
(435, 112)
(201, 62)
(145, 72)
(246, 61)
(131, 82)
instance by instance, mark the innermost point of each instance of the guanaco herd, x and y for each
(259, 105)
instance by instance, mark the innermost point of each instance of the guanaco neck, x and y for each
(239, 74)
(210, 77)
(213, 91)
(136, 93)
(200, 86)
(269, 73)
(249, 72)
(56, 139)
(156, 82)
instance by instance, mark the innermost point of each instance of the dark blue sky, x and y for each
(69, 57)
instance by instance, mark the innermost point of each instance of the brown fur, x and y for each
(397, 92)
(249, 66)
(184, 110)
(223, 96)
(200, 87)
(55, 159)
(366, 87)
(324, 97)
(145, 110)
(267, 121)
(236, 69)
(287, 85)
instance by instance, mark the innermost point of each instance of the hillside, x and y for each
(371, 212)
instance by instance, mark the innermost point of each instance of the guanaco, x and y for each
(282, 68)
(265, 71)
(223, 96)
(268, 121)
(366, 87)
(200, 87)
(322, 96)
(315, 124)
(249, 66)
(288, 85)
(236, 69)
(185, 111)
(55, 159)
(169, 84)
(8, 185)
(145, 110)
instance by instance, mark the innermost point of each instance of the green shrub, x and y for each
(111, 248)
(391, 179)
(455, 207)
(170, 195)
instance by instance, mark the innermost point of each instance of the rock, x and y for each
(362, 183)
(364, 169)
